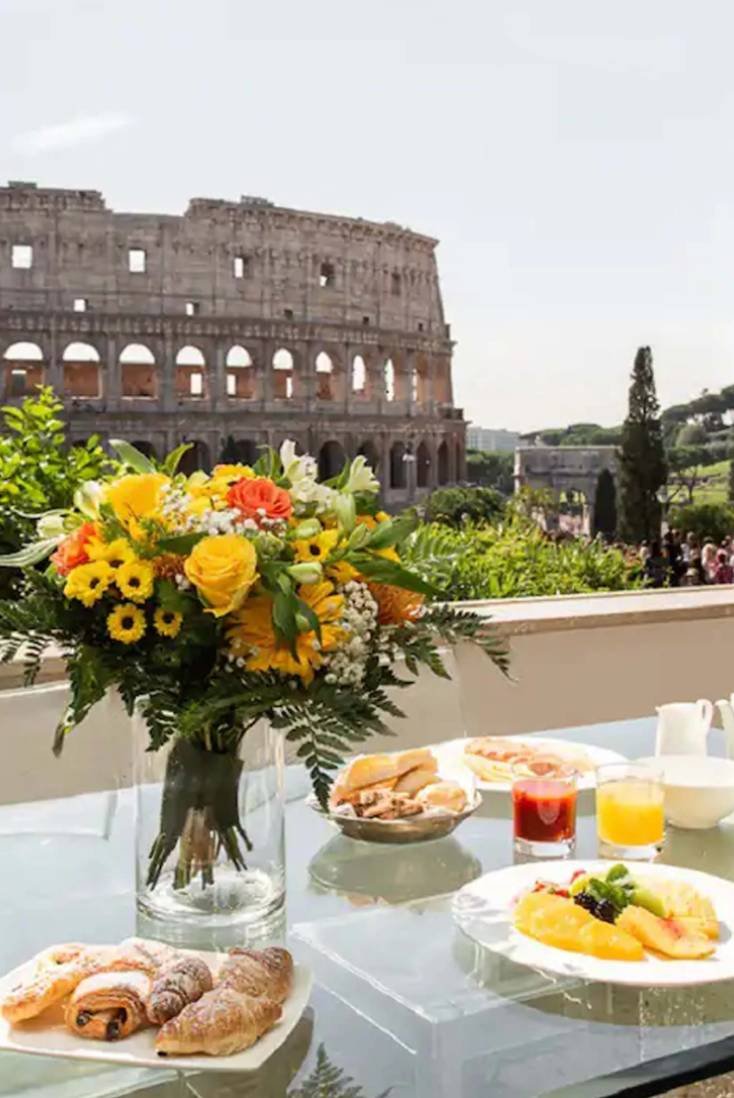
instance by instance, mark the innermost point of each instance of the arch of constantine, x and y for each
(567, 470)
(235, 325)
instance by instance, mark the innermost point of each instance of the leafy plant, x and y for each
(706, 520)
(456, 506)
(328, 1081)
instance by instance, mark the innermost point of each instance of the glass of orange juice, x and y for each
(630, 820)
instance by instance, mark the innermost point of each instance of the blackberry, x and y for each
(605, 911)
(587, 901)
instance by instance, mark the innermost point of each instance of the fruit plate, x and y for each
(48, 1036)
(453, 750)
(483, 910)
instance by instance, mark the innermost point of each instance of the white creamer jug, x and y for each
(683, 727)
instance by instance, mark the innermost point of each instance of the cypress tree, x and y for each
(605, 505)
(642, 467)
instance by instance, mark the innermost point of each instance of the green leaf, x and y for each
(310, 615)
(284, 618)
(30, 554)
(171, 462)
(182, 544)
(132, 457)
(389, 571)
(170, 597)
(268, 464)
(393, 532)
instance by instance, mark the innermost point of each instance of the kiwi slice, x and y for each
(644, 897)
(578, 885)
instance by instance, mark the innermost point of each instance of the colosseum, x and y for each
(235, 325)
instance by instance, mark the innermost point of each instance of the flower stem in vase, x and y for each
(199, 813)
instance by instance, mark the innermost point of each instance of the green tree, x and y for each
(605, 505)
(491, 469)
(456, 506)
(642, 464)
(705, 520)
(691, 434)
(730, 482)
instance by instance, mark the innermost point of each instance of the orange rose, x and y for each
(395, 605)
(73, 550)
(259, 498)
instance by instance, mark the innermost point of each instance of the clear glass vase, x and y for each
(210, 835)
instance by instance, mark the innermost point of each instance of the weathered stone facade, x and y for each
(234, 325)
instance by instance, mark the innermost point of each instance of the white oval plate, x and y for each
(454, 750)
(483, 910)
(48, 1036)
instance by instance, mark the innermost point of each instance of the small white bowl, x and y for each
(699, 789)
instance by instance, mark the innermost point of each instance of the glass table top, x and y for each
(403, 1003)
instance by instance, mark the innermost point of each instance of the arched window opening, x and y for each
(327, 276)
(247, 452)
(398, 463)
(331, 460)
(240, 373)
(198, 457)
(145, 447)
(22, 369)
(359, 376)
(190, 373)
(389, 375)
(369, 451)
(423, 465)
(138, 372)
(443, 463)
(324, 370)
(283, 374)
(81, 371)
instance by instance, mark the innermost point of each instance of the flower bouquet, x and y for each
(212, 601)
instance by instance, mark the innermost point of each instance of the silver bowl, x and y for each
(412, 829)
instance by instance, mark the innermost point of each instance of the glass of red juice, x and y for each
(544, 809)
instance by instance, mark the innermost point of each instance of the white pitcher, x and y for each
(726, 711)
(683, 727)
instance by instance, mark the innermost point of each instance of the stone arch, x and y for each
(388, 377)
(398, 471)
(324, 366)
(191, 371)
(240, 373)
(423, 465)
(146, 447)
(331, 459)
(359, 376)
(420, 380)
(283, 365)
(443, 463)
(22, 368)
(138, 375)
(82, 375)
(371, 453)
(198, 457)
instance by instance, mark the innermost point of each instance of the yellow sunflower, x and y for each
(126, 623)
(135, 580)
(252, 636)
(316, 548)
(167, 622)
(341, 572)
(115, 552)
(88, 582)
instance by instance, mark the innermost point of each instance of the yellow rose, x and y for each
(134, 497)
(222, 568)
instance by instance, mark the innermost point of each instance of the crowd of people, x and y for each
(677, 561)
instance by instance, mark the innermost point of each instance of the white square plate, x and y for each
(48, 1036)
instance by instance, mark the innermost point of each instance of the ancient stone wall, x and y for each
(234, 325)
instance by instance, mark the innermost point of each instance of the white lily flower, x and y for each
(51, 526)
(88, 497)
(361, 477)
(297, 468)
(346, 512)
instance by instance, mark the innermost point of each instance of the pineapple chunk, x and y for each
(669, 937)
(559, 922)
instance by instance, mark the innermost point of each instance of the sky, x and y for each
(574, 158)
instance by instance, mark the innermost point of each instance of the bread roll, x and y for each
(447, 795)
(421, 757)
(415, 780)
(367, 770)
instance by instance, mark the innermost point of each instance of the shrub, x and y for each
(516, 559)
(456, 506)
(706, 520)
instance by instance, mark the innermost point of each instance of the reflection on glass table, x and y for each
(403, 1001)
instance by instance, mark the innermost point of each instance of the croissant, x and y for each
(56, 973)
(140, 954)
(176, 986)
(221, 1023)
(266, 973)
(108, 1005)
